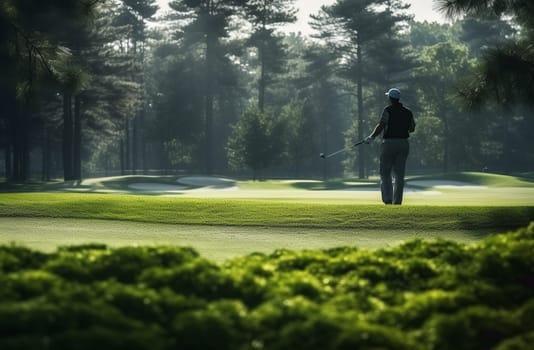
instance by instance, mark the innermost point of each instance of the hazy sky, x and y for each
(422, 9)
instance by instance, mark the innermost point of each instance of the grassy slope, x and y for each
(475, 178)
(259, 213)
(262, 216)
(213, 242)
(484, 179)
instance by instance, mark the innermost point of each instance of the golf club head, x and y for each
(321, 155)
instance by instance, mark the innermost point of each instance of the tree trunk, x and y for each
(143, 141)
(134, 144)
(26, 127)
(122, 155)
(77, 144)
(46, 154)
(262, 83)
(127, 145)
(18, 125)
(210, 57)
(16, 145)
(507, 147)
(446, 140)
(18, 140)
(7, 159)
(10, 142)
(324, 141)
(361, 153)
(67, 136)
(21, 156)
(106, 164)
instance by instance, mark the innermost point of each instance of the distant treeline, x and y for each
(101, 87)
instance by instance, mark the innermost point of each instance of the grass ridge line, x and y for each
(234, 212)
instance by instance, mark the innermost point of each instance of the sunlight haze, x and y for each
(422, 9)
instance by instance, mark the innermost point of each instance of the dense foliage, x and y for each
(420, 295)
(100, 87)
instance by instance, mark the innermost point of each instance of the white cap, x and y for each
(393, 93)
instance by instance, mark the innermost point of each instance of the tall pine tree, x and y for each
(207, 22)
(265, 16)
(352, 28)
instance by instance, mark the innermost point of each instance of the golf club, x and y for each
(322, 155)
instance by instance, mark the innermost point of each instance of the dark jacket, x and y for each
(398, 121)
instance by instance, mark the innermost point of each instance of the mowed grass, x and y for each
(265, 213)
(260, 216)
(213, 242)
(483, 179)
(483, 189)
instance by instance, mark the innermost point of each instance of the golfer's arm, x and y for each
(378, 130)
(412, 126)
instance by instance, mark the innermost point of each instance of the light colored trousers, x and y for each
(393, 155)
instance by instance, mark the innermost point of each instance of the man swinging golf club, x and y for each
(396, 124)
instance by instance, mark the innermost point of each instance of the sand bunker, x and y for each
(185, 183)
(445, 184)
(206, 181)
(156, 187)
(205, 184)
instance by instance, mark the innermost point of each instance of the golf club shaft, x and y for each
(343, 150)
(333, 154)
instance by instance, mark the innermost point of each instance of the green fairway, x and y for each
(213, 242)
(233, 212)
(244, 217)
(467, 189)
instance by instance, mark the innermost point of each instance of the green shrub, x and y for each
(420, 295)
(134, 302)
(16, 258)
(519, 342)
(27, 284)
(476, 327)
(317, 332)
(198, 277)
(297, 283)
(72, 266)
(221, 325)
(362, 335)
(82, 247)
(103, 338)
(126, 264)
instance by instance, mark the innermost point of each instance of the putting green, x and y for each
(213, 242)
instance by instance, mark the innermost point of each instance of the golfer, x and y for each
(396, 124)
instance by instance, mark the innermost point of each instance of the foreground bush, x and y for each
(420, 295)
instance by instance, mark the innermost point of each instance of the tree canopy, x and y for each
(101, 87)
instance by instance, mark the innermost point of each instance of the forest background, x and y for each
(99, 88)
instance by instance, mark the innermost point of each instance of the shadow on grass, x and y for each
(505, 218)
(335, 185)
(119, 185)
(486, 179)
(33, 186)
(123, 184)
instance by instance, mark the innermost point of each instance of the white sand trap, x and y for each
(446, 184)
(99, 180)
(146, 186)
(206, 181)
(422, 192)
(296, 181)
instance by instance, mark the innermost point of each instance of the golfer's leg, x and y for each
(386, 164)
(399, 170)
